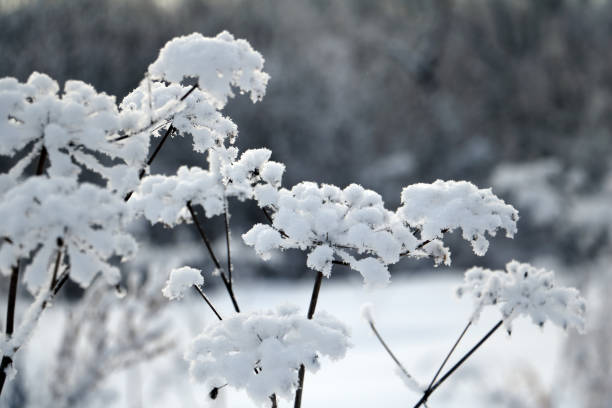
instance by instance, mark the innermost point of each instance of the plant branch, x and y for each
(311, 310)
(227, 244)
(199, 290)
(450, 372)
(10, 321)
(224, 278)
(386, 347)
(435, 377)
(40, 167)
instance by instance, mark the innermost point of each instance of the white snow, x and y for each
(180, 280)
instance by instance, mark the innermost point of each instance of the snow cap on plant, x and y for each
(180, 280)
(446, 205)
(218, 64)
(42, 216)
(523, 289)
(261, 352)
(351, 224)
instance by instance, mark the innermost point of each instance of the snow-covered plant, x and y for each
(47, 218)
(60, 227)
(523, 289)
(261, 352)
(352, 226)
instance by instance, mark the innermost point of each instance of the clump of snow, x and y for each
(218, 63)
(351, 225)
(524, 290)
(163, 198)
(446, 205)
(261, 352)
(43, 216)
(180, 280)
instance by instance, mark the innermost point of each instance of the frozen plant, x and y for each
(524, 290)
(261, 352)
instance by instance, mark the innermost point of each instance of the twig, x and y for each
(465, 329)
(386, 347)
(40, 167)
(197, 288)
(224, 278)
(467, 355)
(311, 309)
(10, 321)
(227, 244)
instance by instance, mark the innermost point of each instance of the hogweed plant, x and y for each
(57, 227)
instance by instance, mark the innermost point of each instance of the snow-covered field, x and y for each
(419, 317)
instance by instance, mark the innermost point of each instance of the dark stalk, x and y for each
(10, 321)
(208, 302)
(224, 278)
(435, 377)
(58, 260)
(311, 310)
(40, 167)
(450, 372)
(227, 244)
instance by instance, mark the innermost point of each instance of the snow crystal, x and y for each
(446, 205)
(218, 63)
(261, 352)
(524, 290)
(180, 280)
(320, 259)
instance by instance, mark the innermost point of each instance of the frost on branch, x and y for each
(524, 290)
(163, 198)
(261, 352)
(180, 280)
(42, 216)
(218, 63)
(446, 205)
(351, 224)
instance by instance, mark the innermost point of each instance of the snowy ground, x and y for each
(419, 317)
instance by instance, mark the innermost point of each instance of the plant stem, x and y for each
(467, 355)
(227, 244)
(40, 167)
(10, 321)
(395, 359)
(465, 329)
(311, 310)
(199, 290)
(226, 282)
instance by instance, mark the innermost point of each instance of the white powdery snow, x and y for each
(180, 280)
(524, 290)
(218, 63)
(261, 352)
(446, 205)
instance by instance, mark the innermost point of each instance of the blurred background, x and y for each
(512, 94)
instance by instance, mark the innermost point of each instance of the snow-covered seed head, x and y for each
(524, 290)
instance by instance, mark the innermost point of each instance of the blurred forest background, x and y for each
(384, 93)
(513, 94)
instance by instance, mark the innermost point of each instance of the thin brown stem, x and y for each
(208, 302)
(463, 359)
(224, 278)
(435, 377)
(311, 310)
